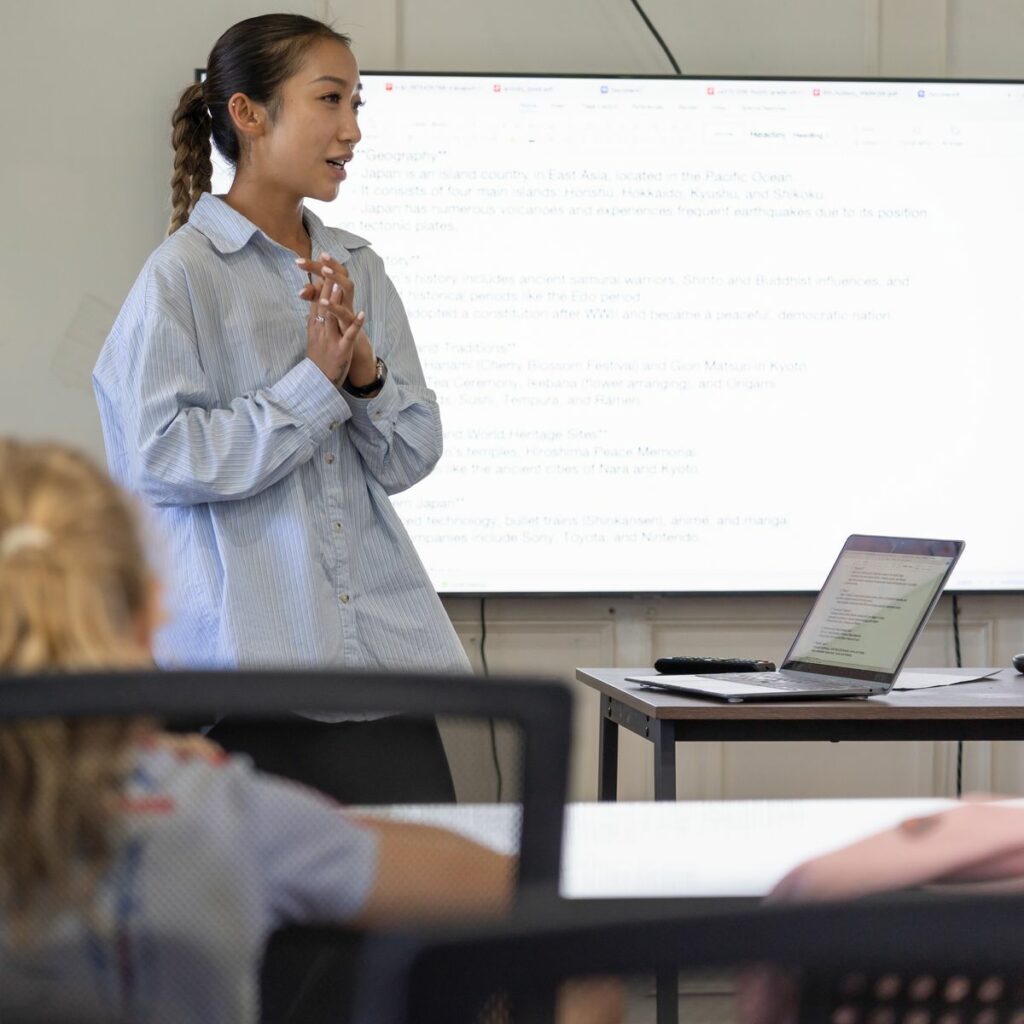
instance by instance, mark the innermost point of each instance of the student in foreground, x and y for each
(141, 874)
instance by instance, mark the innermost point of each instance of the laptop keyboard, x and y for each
(775, 680)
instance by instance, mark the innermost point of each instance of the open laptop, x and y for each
(858, 632)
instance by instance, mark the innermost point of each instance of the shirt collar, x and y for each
(229, 231)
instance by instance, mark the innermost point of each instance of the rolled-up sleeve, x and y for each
(397, 432)
(183, 447)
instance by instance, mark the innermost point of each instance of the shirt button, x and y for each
(329, 458)
(333, 425)
(344, 599)
(337, 527)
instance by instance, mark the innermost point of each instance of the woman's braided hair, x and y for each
(253, 57)
(190, 139)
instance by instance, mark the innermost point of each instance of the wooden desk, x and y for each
(991, 709)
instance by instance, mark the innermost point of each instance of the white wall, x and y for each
(88, 87)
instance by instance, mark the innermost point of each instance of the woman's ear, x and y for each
(249, 118)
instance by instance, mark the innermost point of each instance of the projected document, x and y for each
(689, 334)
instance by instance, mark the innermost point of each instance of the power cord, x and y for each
(490, 721)
(959, 664)
(657, 35)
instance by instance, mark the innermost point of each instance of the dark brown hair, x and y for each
(253, 57)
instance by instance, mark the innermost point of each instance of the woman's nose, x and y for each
(349, 130)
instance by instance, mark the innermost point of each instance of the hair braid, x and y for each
(190, 139)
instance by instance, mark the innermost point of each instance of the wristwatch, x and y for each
(361, 391)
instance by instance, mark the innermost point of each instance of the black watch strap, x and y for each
(361, 391)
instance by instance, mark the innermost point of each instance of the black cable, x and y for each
(956, 632)
(490, 721)
(959, 664)
(483, 638)
(657, 35)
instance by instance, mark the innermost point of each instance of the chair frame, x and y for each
(440, 975)
(542, 709)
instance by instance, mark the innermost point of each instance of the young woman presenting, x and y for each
(261, 390)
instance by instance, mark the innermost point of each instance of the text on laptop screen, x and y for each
(869, 610)
(687, 334)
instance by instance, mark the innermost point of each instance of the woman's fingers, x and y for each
(340, 273)
(328, 269)
(311, 292)
(323, 267)
(315, 293)
(343, 314)
(352, 329)
(314, 267)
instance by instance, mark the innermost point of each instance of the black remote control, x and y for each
(701, 666)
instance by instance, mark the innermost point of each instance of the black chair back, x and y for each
(542, 711)
(906, 959)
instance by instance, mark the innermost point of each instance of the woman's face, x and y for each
(308, 143)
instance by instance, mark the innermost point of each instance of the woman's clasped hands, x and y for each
(336, 340)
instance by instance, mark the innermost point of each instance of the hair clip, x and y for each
(21, 536)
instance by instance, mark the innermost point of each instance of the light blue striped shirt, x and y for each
(270, 485)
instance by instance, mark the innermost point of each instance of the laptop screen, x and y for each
(872, 606)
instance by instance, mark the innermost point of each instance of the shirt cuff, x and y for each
(312, 399)
(376, 413)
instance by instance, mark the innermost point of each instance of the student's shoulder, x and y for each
(170, 796)
(175, 781)
(169, 779)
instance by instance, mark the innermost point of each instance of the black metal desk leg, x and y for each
(607, 753)
(666, 996)
(664, 736)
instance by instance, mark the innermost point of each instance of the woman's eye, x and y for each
(334, 97)
(358, 105)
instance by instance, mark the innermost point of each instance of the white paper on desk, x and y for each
(922, 678)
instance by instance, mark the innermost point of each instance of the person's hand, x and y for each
(187, 746)
(591, 1001)
(331, 330)
(363, 366)
(768, 995)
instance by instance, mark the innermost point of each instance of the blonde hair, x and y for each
(74, 585)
